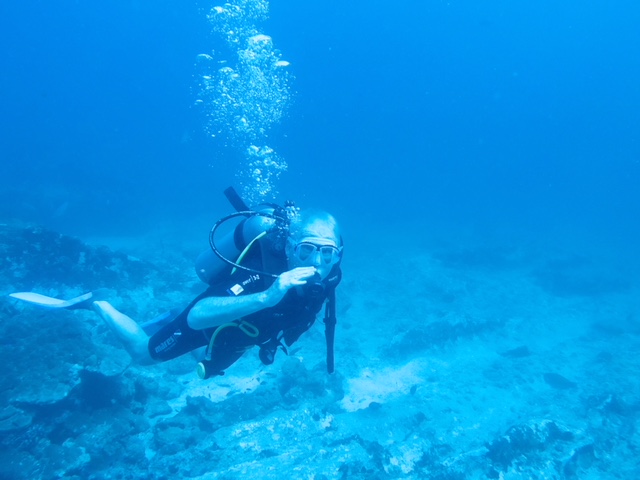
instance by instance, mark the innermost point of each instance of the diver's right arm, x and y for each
(213, 311)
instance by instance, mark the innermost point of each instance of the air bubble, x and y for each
(243, 101)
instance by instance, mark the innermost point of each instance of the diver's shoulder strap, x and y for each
(330, 328)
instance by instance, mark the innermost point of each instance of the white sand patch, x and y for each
(213, 391)
(382, 385)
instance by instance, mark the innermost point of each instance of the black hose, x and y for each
(243, 213)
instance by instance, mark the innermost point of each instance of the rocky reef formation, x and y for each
(462, 371)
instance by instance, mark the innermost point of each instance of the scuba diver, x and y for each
(268, 279)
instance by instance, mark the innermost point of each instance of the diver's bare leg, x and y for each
(133, 338)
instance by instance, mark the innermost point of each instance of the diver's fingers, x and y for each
(297, 276)
(303, 272)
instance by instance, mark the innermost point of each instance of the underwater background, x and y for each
(483, 159)
(432, 113)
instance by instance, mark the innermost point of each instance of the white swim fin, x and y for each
(81, 302)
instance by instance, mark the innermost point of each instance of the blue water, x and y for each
(483, 159)
(456, 112)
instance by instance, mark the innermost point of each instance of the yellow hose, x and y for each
(246, 249)
(247, 328)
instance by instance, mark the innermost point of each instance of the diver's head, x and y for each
(314, 240)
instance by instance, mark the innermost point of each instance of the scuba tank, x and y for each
(209, 264)
(266, 221)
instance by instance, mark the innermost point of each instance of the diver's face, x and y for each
(318, 252)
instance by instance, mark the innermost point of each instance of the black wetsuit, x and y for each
(289, 319)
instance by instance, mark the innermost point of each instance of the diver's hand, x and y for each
(286, 281)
